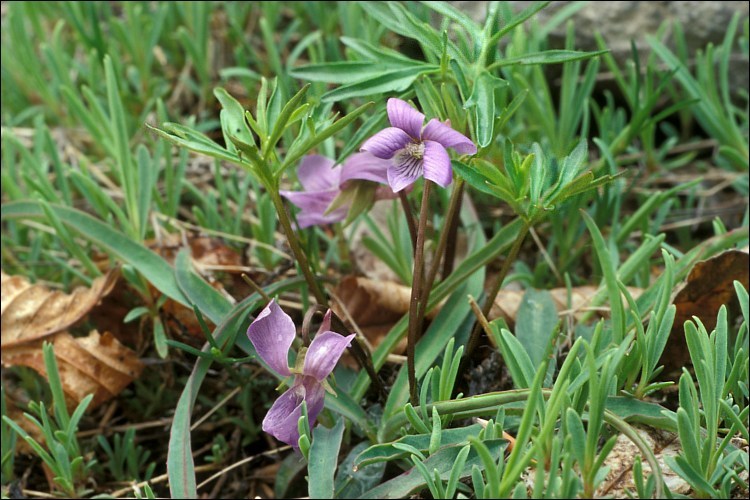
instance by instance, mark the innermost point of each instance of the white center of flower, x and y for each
(414, 149)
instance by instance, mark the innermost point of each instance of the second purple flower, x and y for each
(323, 180)
(272, 334)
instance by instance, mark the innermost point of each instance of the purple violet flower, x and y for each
(415, 150)
(323, 180)
(272, 333)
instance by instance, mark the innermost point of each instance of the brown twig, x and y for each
(409, 218)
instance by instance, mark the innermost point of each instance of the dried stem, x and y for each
(256, 287)
(445, 242)
(417, 292)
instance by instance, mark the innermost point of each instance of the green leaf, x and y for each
(147, 176)
(283, 118)
(482, 99)
(681, 466)
(548, 57)
(390, 81)
(380, 54)
(299, 150)
(574, 427)
(447, 10)
(195, 141)
(346, 72)
(387, 452)
(150, 265)
(535, 323)
(353, 481)
(323, 459)
(208, 300)
(641, 412)
(233, 115)
(610, 278)
(480, 175)
(515, 356)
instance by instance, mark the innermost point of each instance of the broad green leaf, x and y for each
(574, 427)
(535, 323)
(233, 114)
(353, 482)
(150, 265)
(641, 412)
(208, 300)
(516, 358)
(479, 175)
(323, 459)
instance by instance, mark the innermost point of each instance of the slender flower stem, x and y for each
(512, 255)
(409, 218)
(452, 220)
(452, 229)
(296, 248)
(417, 292)
(363, 357)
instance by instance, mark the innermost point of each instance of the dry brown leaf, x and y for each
(374, 305)
(33, 312)
(96, 364)
(708, 286)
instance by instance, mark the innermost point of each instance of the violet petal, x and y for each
(325, 325)
(385, 143)
(281, 419)
(318, 173)
(405, 117)
(272, 333)
(404, 171)
(437, 164)
(313, 207)
(323, 354)
(315, 395)
(437, 131)
(365, 166)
